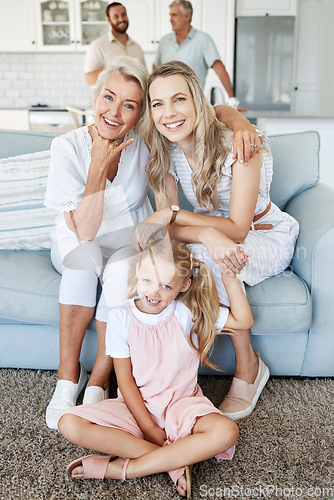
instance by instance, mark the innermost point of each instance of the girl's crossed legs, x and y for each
(211, 434)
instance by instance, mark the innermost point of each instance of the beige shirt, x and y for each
(102, 51)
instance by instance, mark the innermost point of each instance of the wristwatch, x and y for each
(175, 209)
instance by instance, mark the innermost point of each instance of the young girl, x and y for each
(231, 205)
(157, 341)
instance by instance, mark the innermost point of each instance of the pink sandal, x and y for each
(94, 466)
(174, 475)
(125, 467)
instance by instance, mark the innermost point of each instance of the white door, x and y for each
(142, 22)
(306, 84)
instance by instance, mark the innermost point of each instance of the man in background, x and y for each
(193, 47)
(116, 42)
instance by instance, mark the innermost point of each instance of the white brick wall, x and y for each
(55, 79)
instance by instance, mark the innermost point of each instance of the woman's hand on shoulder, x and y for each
(246, 142)
(104, 150)
(230, 256)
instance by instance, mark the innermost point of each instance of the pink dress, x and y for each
(164, 367)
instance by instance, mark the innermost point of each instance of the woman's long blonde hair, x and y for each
(209, 151)
(201, 298)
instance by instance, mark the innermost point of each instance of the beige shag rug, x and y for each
(285, 449)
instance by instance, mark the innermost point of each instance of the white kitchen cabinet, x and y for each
(90, 20)
(69, 24)
(149, 20)
(218, 20)
(266, 7)
(307, 50)
(17, 27)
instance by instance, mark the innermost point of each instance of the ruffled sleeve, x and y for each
(227, 143)
(227, 168)
(116, 335)
(267, 166)
(172, 171)
(67, 179)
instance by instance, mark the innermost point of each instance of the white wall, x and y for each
(326, 59)
(56, 79)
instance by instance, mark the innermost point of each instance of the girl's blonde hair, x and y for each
(131, 69)
(209, 151)
(201, 297)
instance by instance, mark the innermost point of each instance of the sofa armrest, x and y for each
(313, 261)
(314, 210)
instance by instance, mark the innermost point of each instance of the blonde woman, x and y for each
(231, 202)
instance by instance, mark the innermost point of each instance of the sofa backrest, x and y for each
(296, 160)
(296, 165)
(13, 142)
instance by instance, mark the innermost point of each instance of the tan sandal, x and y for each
(94, 466)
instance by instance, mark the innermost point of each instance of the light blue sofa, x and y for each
(293, 311)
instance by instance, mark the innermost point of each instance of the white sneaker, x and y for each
(95, 394)
(64, 397)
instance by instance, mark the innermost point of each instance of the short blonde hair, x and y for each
(131, 69)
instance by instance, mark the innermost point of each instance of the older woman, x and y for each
(97, 183)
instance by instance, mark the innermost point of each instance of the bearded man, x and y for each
(116, 42)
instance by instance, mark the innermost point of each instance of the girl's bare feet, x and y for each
(181, 485)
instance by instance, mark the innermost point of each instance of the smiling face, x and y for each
(158, 285)
(118, 19)
(117, 107)
(172, 108)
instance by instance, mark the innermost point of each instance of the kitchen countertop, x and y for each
(284, 114)
(249, 114)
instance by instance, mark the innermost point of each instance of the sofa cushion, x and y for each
(29, 287)
(280, 305)
(296, 165)
(25, 222)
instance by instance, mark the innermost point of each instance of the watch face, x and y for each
(176, 208)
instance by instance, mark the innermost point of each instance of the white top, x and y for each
(119, 321)
(181, 171)
(103, 50)
(125, 199)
